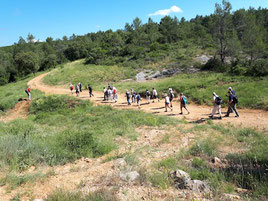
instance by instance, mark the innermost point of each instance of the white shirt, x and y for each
(167, 99)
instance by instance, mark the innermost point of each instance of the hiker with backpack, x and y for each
(167, 102)
(138, 98)
(232, 91)
(183, 102)
(148, 94)
(128, 97)
(90, 90)
(133, 95)
(154, 96)
(217, 100)
(233, 100)
(80, 86)
(171, 96)
(77, 89)
(71, 87)
(28, 92)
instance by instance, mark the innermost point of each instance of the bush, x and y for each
(215, 64)
(62, 195)
(259, 68)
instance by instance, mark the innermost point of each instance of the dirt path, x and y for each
(248, 117)
(20, 110)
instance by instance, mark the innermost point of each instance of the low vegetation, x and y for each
(62, 129)
(95, 75)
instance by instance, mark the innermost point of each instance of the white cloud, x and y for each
(173, 9)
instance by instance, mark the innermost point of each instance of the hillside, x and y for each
(63, 145)
(65, 138)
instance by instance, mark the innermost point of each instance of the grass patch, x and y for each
(13, 180)
(62, 195)
(67, 132)
(159, 179)
(96, 75)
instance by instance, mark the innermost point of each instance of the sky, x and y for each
(58, 18)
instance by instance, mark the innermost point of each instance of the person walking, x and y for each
(128, 97)
(232, 104)
(183, 102)
(167, 102)
(90, 90)
(133, 95)
(114, 94)
(232, 91)
(109, 94)
(105, 94)
(217, 101)
(147, 94)
(71, 87)
(171, 96)
(28, 92)
(77, 89)
(154, 96)
(138, 98)
(80, 86)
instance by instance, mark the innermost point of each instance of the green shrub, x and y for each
(205, 147)
(62, 195)
(160, 180)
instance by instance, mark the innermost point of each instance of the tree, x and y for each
(136, 23)
(49, 61)
(49, 40)
(223, 27)
(30, 38)
(252, 39)
(169, 29)
(26, 62)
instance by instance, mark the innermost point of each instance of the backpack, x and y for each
(29, 90)
(235, 99)
(184, 100)
(218, 100)
(148, 93)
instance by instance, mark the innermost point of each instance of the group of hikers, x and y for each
(232, 101)
(110, 93)
(78, 89)
(133, 97)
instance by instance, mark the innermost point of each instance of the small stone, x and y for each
(120, 162)
(231, 196)
(198, 186)
(130, 176)
(241, 190)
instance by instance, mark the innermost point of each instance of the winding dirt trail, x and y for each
(249, 118)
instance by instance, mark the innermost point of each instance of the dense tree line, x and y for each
(240, 36)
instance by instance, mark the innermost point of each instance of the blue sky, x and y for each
(57, 18)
